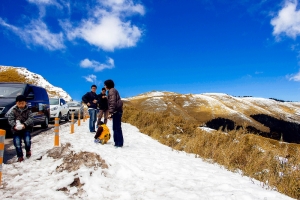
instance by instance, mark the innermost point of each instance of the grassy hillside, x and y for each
(205, 109)
(274, 163)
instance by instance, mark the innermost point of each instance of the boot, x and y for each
(20, 159)
(28, 154)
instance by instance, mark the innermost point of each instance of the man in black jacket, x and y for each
(91, 100)
(103, 106)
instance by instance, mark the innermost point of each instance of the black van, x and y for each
(36, 97)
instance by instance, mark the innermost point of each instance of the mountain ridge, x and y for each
(53, 91)
(222, 109)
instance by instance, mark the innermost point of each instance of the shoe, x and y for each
(97, 141)
(28, 154)
(20, 159)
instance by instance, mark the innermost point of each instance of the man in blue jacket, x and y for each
(91, 100)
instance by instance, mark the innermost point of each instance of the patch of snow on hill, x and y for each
(157, 103)
(207, 129)
(152, 94)
(186, 103)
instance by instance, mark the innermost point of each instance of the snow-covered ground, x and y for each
(142, 169)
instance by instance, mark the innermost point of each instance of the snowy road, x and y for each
(142, 169)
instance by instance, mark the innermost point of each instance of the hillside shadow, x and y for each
(279, 129)
(289, 131)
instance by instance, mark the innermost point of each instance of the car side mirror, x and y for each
(30, 96)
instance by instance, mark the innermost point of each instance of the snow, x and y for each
(142, 169)
(152, 94)
(207, 129)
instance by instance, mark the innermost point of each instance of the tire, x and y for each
(59, 116)
(45, 123)
(67, 118)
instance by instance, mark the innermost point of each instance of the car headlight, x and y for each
(54, 108)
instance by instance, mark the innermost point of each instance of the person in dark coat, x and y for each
(91, 100)
(20, 119)
(103, 106)
(115, 110)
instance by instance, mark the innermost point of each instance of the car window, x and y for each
(39, 95)
(73, 104)
(9, 91)
(53, 101)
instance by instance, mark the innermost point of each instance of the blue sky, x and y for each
(245, 48)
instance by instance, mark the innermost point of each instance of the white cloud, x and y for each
(49, 2)
(108, 33)
(91, 78)
(37, 33)
(294, 77)
(127, 6)
(42, 4)
(8, 26)
(104, 24)
(287, 21)
(97, 66)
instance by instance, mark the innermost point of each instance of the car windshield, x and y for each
(54, 101)
(9, 91)
(73, 104)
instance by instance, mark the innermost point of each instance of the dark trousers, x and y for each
(17, 139)
(100, 114)
(118, 134)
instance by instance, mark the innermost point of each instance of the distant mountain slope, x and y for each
(41, 81)
(208, 106)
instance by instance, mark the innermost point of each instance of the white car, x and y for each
(76, 108)
(59, 108)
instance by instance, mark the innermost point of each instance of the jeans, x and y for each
(93, 118)
(17, 139)
(118, 134)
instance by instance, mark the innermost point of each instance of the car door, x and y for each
(33, 105)
(64, 107)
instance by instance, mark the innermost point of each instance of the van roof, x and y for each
(15, 83)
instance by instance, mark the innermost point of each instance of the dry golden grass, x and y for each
(10, 74)
(275, 164)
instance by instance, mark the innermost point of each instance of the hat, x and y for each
(20, 98)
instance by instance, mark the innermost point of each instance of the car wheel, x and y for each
(67, 117)
(45, 123)
(59, 116)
